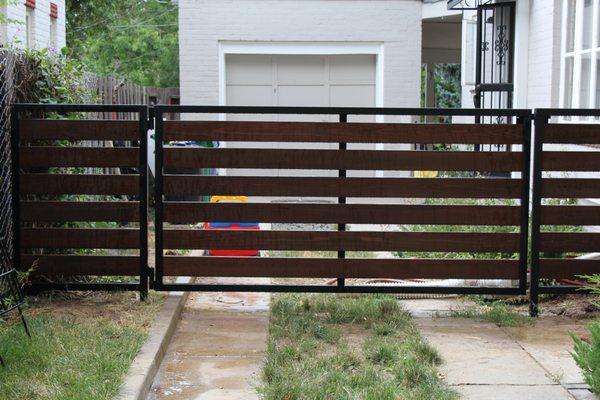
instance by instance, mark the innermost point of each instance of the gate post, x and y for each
(144, 269)
(342, 200)
(158, 197)
(525, 187)
(540, 123)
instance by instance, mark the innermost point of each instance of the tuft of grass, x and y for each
(496, 312)
(73, 354)
(347, 347)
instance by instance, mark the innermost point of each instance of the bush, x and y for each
(587, 356)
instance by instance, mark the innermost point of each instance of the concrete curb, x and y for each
(145, 365)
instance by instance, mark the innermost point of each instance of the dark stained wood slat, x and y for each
(345, 268)
(345, 159)
(52, 184)
(43, 129)
(571, 161)
(569, 242)
(42, 156)
(551, 268)
(350, 241)
(80, 238)
(68, 211)
(189, 185)
(82, 265)
(348, 133)
(572, 133)
(570, 215)
(191, 212)
(571, 188)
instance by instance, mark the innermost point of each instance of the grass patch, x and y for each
(496, 312)
(347, 347)
(587, 356)
(80, 349)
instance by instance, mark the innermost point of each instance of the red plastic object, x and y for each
(232, 253)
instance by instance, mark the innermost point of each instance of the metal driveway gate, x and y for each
(358, 181)
(566, 171)
(80, 196)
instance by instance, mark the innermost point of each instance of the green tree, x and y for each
(132, 39)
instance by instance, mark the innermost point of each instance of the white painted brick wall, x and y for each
(395, 23)
(544, 53)
(15, 33)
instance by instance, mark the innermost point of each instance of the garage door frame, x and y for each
(303, 48)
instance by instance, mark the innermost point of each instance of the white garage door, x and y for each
(301, 80)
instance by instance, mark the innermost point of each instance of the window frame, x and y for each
(578, 54)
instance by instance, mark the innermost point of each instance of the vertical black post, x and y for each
(525, 123)
(143, 200)
(158, 197)
(15, 192)
(536, 206)
(342, 200)
(479, 49)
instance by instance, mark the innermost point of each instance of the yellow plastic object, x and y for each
(426, 174)
(216, 199)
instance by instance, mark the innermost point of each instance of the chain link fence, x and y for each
(7, 89)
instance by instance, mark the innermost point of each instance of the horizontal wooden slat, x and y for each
(190, 212)
(569, 242)
(351, 241)
(80, 238)
(341, 268)
(82, 265)
(349, 133)
(66, 211)
(572, 133)
(79, 184)
(570, 188)
(570, 215)
(567, 268)
(43, 129)
(571, 161)
(343, 159)
(42, 156)
(190, 185)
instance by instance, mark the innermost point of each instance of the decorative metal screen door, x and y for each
(495, 60)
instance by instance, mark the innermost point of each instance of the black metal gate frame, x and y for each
(522, 116)
(541, 118)
(142, 111)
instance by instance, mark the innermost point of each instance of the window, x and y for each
(29, 28)
(53, 33)
(580, 69)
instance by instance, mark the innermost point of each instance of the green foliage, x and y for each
(46, 76)
(132, 39)
(587, 356)
(377, 353)
(447, 85)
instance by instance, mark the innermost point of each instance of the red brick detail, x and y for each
(53, 10)
(30, 3)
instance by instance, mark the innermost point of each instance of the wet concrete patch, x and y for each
(217, 351)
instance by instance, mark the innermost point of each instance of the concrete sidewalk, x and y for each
(217, 351)
(484, 361)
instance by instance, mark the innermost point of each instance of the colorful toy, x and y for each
(236, 226)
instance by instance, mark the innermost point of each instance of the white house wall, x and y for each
(15, 33)
(396, 24)
(544, 53)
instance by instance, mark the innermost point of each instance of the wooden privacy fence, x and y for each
(58, 183)
(561, 175)
(470, 243)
